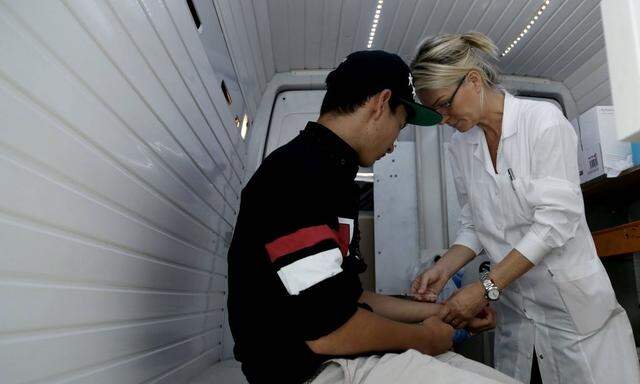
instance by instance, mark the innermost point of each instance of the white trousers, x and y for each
(408, 368)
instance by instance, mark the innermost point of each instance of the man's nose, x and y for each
(391, 148)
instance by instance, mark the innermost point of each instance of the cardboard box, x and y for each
(602, 153)
(592, 161)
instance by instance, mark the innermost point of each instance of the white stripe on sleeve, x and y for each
(311, 270)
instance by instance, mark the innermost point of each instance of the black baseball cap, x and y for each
(370, 72)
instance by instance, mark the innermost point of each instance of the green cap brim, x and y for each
(421, 115)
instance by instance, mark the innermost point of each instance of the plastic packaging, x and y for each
(635, 152)
(454, 283)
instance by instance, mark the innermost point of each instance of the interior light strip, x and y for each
(526, 29)
(374, 24)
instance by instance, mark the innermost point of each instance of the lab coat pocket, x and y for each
(515, 208)
(482, 198)
(587, 295)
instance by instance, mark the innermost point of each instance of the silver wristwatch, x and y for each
(491, 290)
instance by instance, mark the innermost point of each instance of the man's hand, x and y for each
(463, 305)
(438, 336)
(429, 283)
(484, 321)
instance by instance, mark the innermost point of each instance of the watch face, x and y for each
(493, 294)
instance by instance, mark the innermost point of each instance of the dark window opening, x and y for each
(194, 13)
(366, 195)
(225, 92)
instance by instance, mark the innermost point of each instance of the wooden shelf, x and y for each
(621, 190)
(618, 240)
(625, 187)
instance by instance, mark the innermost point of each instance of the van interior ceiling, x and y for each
(128, 129)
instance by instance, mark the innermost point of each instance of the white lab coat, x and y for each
(565, 306)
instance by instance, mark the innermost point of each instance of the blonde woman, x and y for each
(516, 174)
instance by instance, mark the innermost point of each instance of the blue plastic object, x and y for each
(451, 286)
(635, 151)
(460, 336)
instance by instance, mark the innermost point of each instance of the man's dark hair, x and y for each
(344, 103)
(363, 74)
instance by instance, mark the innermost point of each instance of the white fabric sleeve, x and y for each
(553, 192)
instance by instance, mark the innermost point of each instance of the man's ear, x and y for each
(380, 101)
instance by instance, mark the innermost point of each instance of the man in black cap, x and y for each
(295, 299)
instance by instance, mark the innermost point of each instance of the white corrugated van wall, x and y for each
(119, 185)
(589, 84)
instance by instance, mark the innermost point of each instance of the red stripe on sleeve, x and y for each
(343, 238)
(300, 239)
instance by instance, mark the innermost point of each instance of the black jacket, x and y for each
(294, 259)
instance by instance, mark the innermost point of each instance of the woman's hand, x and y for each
(429, 283)
(484, 321)
(464, 305)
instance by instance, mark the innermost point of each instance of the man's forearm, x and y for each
(406, 311)
(366, 332)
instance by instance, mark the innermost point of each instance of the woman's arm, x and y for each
(465, 303)
(428, 285)
(509, 269)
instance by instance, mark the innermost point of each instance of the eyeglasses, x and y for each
(447, 104)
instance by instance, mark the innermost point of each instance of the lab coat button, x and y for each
(541, 356)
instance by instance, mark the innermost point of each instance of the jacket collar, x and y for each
(339, 154)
